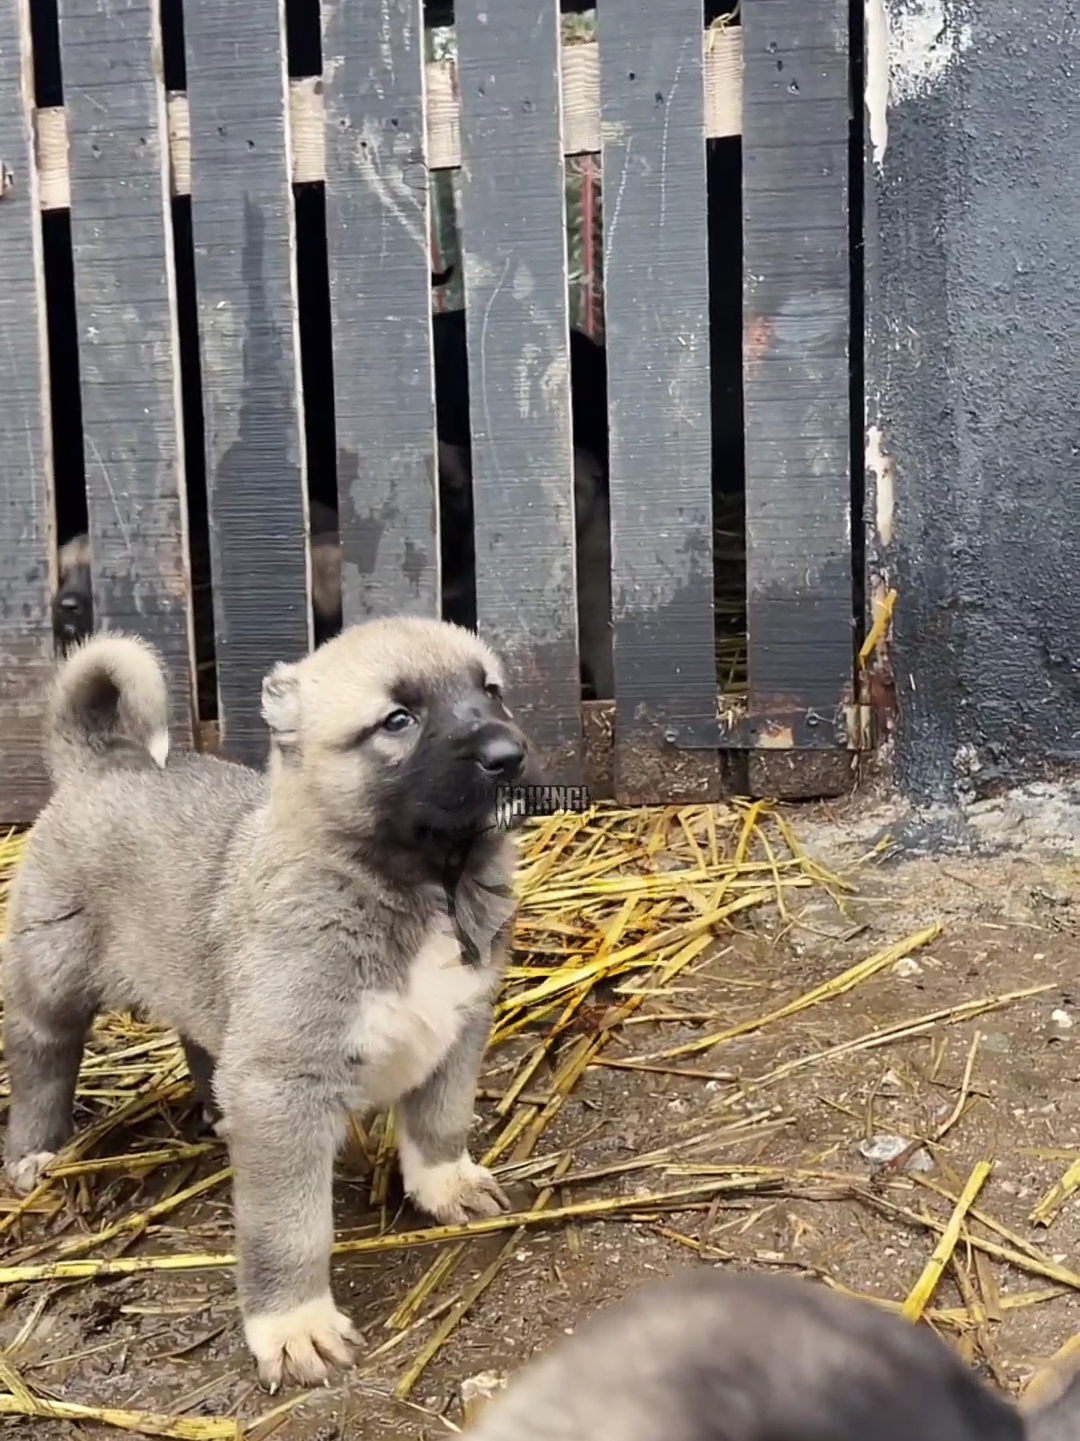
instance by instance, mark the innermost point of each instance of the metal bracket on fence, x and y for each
(792, 730)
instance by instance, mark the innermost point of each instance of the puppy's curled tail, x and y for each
(110, 701)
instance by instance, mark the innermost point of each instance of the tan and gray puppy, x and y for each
(326, 937)
(720, 1356)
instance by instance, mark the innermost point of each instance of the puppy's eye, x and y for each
(494, 690)
(398, 720)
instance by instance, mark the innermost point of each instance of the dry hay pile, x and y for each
(618, 910)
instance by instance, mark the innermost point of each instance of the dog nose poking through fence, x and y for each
(717, 1356)
(73, 604)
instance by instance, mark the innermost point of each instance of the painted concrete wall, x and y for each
(973, 381)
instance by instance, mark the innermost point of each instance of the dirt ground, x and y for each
(996, 1083)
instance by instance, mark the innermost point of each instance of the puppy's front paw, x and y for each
(296, 1345)
(25, 1173)
(451, 1190)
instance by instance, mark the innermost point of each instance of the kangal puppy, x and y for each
(73, 603)
(326, 937)
(720, 1356)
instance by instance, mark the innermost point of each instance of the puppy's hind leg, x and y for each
(283, 1134)
(46, 1016)
(437, 1171)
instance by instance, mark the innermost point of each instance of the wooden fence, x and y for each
(240, 137)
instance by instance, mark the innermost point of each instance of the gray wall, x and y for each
(973, 377)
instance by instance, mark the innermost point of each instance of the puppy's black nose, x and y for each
(501, 757)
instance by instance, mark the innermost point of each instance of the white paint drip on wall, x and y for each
(924, 42)
(877, 77)
(910, 47)
(881, 468)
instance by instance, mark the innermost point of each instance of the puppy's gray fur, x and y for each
(720, 1356)
(1053, 1413)
(293, 926)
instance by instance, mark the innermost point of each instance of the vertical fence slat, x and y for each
(378, 237)
(513, 225)
(121, 231)
(245, 273)
(25, 498)
(656, 291)
(795, 356)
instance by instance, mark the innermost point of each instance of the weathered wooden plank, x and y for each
(796, 382)
(580, 114)
(25, 472)
(380, 287)
(513, 227)
(245, 269)
(657, 322)
(121, 231)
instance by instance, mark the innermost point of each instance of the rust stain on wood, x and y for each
(775, 738)
(757, 338)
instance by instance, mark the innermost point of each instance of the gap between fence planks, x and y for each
(581, 127)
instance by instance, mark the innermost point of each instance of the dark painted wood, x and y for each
(121, 233)
(513, 231)
(657, 324)
(245, 271)
(796, 318)
(380, 286)
(25, 490)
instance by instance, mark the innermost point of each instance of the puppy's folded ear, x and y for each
(281, 705)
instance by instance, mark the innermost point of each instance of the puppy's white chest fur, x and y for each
(398, 1038)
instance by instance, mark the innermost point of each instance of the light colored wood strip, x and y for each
(308, 129)
(581, 134)
(723, 83)
(179, 142)
(52, 156)
(581, 99)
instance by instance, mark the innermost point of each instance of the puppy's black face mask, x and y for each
(444, 794)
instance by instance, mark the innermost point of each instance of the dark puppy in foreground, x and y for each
(718, 1356)
(326, 937)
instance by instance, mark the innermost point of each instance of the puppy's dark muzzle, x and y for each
(72, 617)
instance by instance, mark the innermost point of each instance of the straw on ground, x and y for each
(622, 912)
